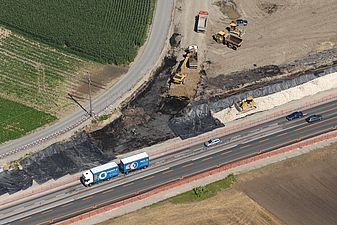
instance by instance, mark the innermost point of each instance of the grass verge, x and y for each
(204, 192)
(201, 192)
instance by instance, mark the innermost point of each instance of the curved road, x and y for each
(75, 200)
(149, 57)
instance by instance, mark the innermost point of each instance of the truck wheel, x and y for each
(234, 48)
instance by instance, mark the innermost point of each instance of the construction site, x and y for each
(222, 55)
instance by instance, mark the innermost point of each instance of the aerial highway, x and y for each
(150, 54)
(63, 204)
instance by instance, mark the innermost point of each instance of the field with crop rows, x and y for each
(108, 31)
(17, 119)
(35, 74)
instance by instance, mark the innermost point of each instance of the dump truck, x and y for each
(191, 59)
(134, 162)
(246, 104)
(202, 21)
(234, 29)
(228, 38)
(99, 173)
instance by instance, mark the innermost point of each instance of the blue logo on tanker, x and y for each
(132, 166)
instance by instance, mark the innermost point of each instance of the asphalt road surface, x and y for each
(149, 57)
(64, 204)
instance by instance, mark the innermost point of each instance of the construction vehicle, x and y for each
(234, 29)
(191, 58)
(202, 21)
(228, 38)
(192, 50)
(245, 104)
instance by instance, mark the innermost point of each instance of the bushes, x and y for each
(203, 192)
(108, 31)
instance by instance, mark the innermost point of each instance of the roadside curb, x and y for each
(217, 169)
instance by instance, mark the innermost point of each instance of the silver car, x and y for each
(212, 142)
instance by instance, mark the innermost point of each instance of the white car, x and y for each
(212, 142)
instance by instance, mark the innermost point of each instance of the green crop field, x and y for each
(108, 31)
(35, 74)
(17, 119)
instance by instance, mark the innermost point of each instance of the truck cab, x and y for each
(87, 178)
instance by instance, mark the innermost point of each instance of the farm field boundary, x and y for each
(102, 30)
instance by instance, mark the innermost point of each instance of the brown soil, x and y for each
(102, 77)
(277, 33)
(302, 190)
(299, 191)
(189, 88)
(230, 207)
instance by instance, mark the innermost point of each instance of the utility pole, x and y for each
(89, 83)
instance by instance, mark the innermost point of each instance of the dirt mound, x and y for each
(13, 181)
(175, 40)
(60, 159)
(54, 162)
(145, 118)
(228, 8)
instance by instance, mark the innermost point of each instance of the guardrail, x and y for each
(44, 139)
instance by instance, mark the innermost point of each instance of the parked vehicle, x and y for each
(241, 22)
(295, 115)
(212, 142)
(228, 38)
(112, 169)
(314, 118)
(202, 21)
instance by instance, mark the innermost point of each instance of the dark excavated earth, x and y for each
(150, 118)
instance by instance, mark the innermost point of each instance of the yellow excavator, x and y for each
(179, 77)
(246, 104)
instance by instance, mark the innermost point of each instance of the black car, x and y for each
(313, 118)
(241, 22)
(295, 115)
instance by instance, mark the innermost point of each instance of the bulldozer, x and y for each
(191, 58)
(228, 38)
(245, 104)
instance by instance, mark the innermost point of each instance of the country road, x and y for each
(75, 200)
(146, 61)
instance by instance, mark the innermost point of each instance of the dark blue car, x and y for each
(314, 118)
(294, 115)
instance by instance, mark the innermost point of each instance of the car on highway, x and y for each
(295, 115)
(314, 118)
(212, 142)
